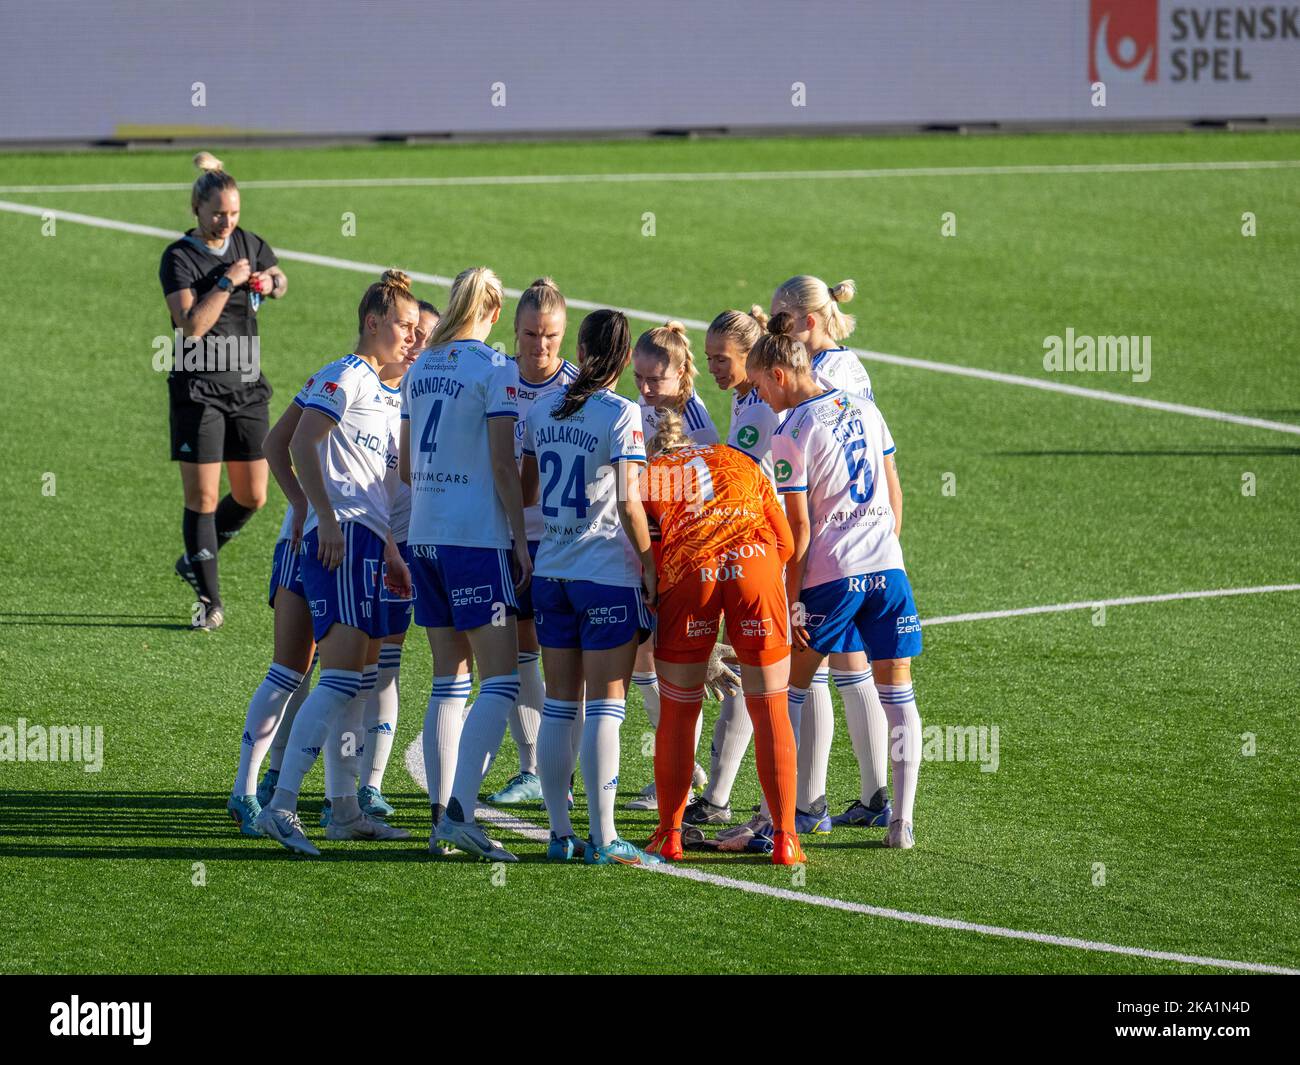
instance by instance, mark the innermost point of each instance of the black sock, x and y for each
(200, 531)
(230, 518)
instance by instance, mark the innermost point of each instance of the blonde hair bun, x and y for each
(396, 277)
(758, 314)
(675, 326)
(208, 161)
(844, 291)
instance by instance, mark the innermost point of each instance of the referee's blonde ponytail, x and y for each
(805, 294)
(475, 294)
(212, 179)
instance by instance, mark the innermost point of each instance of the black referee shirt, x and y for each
(189, 263)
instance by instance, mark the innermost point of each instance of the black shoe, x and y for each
(186, 573)
(699, 811)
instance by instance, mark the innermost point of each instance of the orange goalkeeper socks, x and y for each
(675, 750)
(774, 751)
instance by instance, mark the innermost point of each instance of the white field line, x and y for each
(1132, 600)
(472, 180)
(414, 759)
(658, 317)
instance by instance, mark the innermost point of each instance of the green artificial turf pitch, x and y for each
(1120, 744)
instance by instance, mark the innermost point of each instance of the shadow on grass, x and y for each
(185, 825)
(82, 620)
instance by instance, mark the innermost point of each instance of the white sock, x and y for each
(347, 740)
(332, 693)
(868, 728)
(648, 685)
(731, 737)
(816, 730)
(556, 760)
(265, 710)
(480, 739)
(600, 765)
(526, 717)
(442, 725)
(296, 700)
(899, 701)
(578, 725)
(380, 720)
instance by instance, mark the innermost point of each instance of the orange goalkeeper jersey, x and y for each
(706, 500)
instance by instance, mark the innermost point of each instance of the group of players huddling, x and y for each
(522, 509)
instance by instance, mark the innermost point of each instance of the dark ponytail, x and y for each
(606, 342)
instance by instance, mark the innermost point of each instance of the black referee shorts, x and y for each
(215, 422)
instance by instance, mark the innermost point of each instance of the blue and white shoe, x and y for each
(763, 840)
(284, 827)
(565, 848)
(326, 814)
(620, 852)
(522, 787)
(900, 835)
(469, 837)
(267, 786)
(860, 815)
(372, 803)
(812, 824)
(244, 810)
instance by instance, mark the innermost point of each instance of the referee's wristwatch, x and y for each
(224, 283)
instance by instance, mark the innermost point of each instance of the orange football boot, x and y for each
(786, 849)
(667, 843)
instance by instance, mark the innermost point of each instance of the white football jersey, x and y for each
(449, 395)
(840, 368)
(354, 455)
(695, 421)
(582, 538)
(833, 447)
(752, 424)
(399, 492)
(548, 392)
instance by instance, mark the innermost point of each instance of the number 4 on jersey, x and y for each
(429, 438)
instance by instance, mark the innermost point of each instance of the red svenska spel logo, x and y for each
(511, 394)
(1123, 36)
(331, 387)
(638, 437)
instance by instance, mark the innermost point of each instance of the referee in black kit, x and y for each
(214, 278)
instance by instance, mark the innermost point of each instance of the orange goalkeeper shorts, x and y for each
(750, 592)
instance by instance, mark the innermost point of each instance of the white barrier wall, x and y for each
(104, 68)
